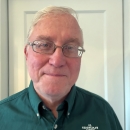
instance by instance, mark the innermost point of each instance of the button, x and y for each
(44, 107)
(55, 127)
(38, 114)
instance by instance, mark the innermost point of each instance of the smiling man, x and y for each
(55, 64)
(52, 101)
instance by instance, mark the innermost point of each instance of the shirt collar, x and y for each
(70, 99)
(34, 99)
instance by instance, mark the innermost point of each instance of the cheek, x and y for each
(34, 64)
(75, 68)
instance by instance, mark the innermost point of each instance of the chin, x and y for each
(54, 87)
(57, 90)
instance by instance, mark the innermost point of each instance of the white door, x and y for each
(102, 63)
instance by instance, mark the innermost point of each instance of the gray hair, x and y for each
(51, 10)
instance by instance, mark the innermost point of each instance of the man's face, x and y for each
(55, 74)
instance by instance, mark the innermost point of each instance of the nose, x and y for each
(57, 59)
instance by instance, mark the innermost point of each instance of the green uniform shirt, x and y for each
(81, 110)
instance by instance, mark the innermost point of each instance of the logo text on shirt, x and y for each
(90, 127)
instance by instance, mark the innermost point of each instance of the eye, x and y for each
(70, 47)
(44, 45)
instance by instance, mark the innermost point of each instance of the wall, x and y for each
(3, 50)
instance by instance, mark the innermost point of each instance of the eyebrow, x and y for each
(42, 37)
(48, 38)
(75, 40)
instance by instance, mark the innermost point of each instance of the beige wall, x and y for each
(3, 50)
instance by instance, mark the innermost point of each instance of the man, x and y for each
(52, 101)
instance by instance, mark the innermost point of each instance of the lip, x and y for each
(55, 75)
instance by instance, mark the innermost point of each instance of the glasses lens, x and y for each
(47, 47)
(70, 50)
(43, 47)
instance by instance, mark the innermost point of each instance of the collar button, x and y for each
(38, 115)
(55, 127)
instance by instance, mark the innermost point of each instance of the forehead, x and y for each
(58, 20)
(58, 27)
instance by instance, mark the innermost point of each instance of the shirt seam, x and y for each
(13, 97)
(93, 95)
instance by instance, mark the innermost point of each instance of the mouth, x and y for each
(55, 75)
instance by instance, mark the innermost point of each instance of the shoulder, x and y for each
(85, 93)
(94, 102)
(18, 96)
(91, 98)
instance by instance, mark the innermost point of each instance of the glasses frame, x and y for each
(55, 47)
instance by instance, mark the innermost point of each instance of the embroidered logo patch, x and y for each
(90, 127)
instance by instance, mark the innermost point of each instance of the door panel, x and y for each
(102, 63)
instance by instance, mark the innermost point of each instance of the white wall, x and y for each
(3, 50)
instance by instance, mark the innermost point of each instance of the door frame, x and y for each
(4, 62)
(126, 34)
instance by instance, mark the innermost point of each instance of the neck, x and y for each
(52, 103)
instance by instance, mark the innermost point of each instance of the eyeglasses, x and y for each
(47, 47)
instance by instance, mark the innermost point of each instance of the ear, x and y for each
(26, 52)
